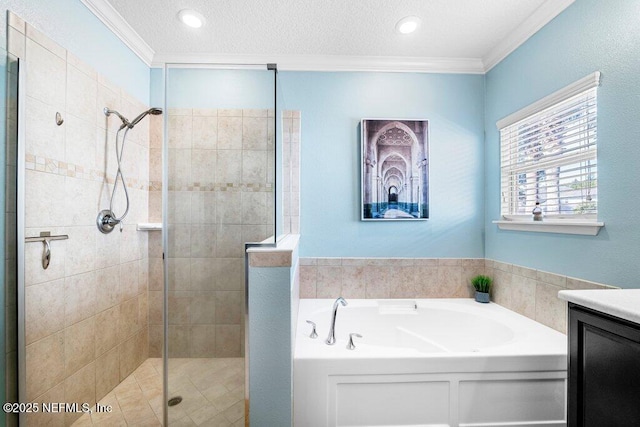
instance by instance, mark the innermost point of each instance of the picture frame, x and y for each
(394, 178)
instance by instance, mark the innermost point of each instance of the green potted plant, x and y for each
(482, 285)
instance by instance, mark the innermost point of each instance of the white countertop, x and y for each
(622, 303)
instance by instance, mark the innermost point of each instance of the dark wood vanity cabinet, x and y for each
(604, 370)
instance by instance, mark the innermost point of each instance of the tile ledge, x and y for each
(280, 255)
(586, 228)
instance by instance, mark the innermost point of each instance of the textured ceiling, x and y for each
(450, 28)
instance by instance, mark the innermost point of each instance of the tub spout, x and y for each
(331, 339)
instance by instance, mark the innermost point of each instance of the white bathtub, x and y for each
(429, 362)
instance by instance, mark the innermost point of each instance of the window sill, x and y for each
(586, 228)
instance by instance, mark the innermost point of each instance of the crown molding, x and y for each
(332, 62)
(103, 10)
(110, 17)
(538, 19)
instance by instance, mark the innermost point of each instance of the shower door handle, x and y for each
(46, 238)
(46, 254)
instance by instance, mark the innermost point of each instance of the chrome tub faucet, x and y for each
(331, 339)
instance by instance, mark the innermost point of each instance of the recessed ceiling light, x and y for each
(408, 24)
(191, 18)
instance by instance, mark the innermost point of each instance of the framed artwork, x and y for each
(394, 170)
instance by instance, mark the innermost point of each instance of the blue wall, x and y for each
(332, 105)
(70, 24)
(589, 36)
(270, 357)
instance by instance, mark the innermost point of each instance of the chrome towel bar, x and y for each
(45, 237)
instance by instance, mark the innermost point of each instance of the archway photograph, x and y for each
(395, 169)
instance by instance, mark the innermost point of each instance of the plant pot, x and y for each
(482, 297)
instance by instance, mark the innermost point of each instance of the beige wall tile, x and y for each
(179, 307)
(42, 200)
(525, 272)
(203, 207)
(229, 132)
(230, 276)
(42, 136)
(228, 307)
(108, 250)
(155, 307)
(377, 278)
(129, 280)
(128, 357)
(205, 132)
(180, 131)
(82, 95)
(155, 340)
(179, 276)
(81, 386)
(502, 289)
(523, 296)
(44, 310)
(550, 310)
(107, 330)
(80, 256)
(308, 281)
(203, 274)
(81, 201)
(203, 308)
(254, 166)
(55, 394)
(552, 279)
(128, 319)
(229, 164)
(80, 297)
(203, 340)
(45, 364)
(107, 288)
(46, 75)
(179, 341)
(203, 166)
(328, 281)
(107, 372)
(79, 345)
(203, 241)
(229, 207)
(40, 38)
(228, 339)
(254, 133)
(229, 242)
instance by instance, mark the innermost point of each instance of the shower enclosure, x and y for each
(219, 192)
(145, 314)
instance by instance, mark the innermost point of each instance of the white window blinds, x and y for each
(549, 154)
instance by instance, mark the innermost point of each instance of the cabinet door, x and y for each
(604, 370)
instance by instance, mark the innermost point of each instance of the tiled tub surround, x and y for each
(220, 195)
(532, 293)
(86, 315)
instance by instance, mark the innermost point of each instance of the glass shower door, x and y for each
(220, 154)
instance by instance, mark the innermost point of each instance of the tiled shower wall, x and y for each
(291, 172)
(532, 293)
(86, 315)
(220, 195)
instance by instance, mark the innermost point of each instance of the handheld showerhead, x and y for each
(152, 111)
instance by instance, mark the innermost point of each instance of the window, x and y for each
(549, 155)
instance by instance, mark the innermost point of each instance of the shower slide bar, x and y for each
(46, 237)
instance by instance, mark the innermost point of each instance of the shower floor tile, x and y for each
(212, 392)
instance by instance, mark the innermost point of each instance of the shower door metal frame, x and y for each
(165, 239)
(20, 236)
